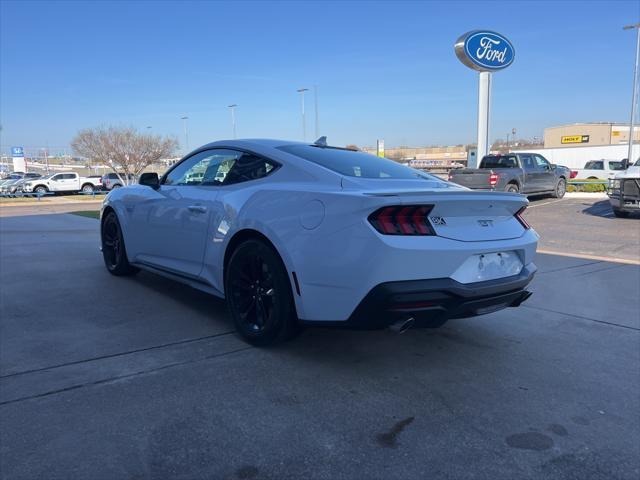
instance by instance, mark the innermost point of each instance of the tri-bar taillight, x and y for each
(521, 219)
(402, 220)
(493, 179)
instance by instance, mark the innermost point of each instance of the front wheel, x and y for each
(259, 294)
(41, 189)
(620, 213)
(561, 188)
(113, 249)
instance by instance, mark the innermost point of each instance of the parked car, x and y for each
(312, 234)
(599, 169)
(16, 185)
(526, 173)
(68, 182)
(624, 191)
(11, 177)
(112, 180)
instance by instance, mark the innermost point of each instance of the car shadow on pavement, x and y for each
(599, 209)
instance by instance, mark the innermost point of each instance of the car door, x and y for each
(546, 174)
(57, 183)
(170, 225)
(531, 177)
(240, 176)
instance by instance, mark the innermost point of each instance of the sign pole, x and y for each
(484, 114)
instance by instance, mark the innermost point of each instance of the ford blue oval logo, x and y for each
(484, 50)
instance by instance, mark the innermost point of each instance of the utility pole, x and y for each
(185, 119)
(304, 123)
(636, 26)
(232, 108)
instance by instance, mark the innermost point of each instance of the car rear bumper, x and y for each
(432, 302)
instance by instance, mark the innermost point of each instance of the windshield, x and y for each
(616, 165)
(637, 164)
(354, 163)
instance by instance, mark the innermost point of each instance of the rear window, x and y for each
(499, 161)
(352, 163)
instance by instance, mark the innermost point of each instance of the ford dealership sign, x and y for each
(484, 50)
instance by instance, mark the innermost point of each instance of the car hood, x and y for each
(631, 172)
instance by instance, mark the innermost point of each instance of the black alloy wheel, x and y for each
(259, 294)
(113, 249)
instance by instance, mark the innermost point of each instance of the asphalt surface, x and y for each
(104, 377)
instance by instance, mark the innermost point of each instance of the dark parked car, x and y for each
(526, 173)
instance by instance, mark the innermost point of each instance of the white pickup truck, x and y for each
(599, 169)
(67, 182)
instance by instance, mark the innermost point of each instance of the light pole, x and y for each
(304, 123)
(315, 101)
(630, 158)
(232, 108)
(185, 119)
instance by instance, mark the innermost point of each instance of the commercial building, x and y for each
(587, 135)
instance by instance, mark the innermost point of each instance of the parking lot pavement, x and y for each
(584, 226)
(106, 377)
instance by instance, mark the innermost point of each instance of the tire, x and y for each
(561, 189)
(117, 185)
(259, 296)
(41, 189)
(512, 188)
(620, 213)
(87, 188)
(114, 252)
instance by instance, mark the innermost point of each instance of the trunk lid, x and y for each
(458, 213)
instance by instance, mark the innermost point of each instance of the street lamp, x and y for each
(232, 108)
(315, 101)
(304, 123)
(185, 119)
(635, 89)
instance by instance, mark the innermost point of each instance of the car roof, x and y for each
(249, 143)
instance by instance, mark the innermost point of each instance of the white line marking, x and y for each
(591, 257)
(545, 203)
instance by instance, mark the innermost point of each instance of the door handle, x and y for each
(197, 209)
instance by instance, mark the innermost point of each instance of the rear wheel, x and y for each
(87, 188)
(561, 188)
(117, 185)
(259, 294)
(113, 249)
(512, 188)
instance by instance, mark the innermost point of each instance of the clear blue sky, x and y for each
(383, 69)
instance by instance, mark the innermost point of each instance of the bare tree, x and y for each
(127, 151)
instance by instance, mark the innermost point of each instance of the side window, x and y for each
(598, 166)
(57, 178)
(248, 167)
(69, 176)
(202, 168)
(541, 162)
(527, 162)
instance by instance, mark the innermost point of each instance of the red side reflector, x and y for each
(402, 220)
(521, 219)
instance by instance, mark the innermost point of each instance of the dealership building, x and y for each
(587, 135)
(576, 144)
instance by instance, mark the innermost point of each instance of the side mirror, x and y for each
(150, 180)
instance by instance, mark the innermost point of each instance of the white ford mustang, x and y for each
(294, 233)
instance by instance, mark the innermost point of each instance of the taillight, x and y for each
(521, 219)
(402, 220)
(493, 179)
(573, 174)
